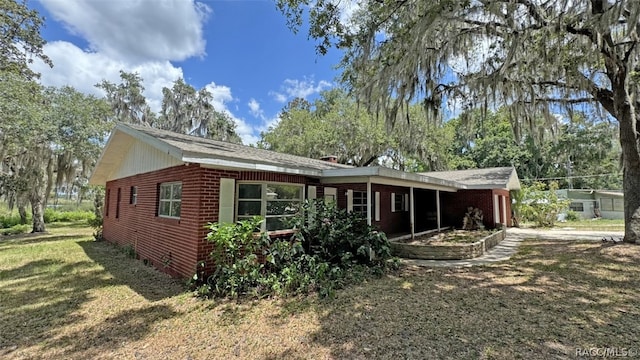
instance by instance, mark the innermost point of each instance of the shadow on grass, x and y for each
(45, 298)
(550, 300)
(113, 332)
(144, 280)
(24, 239)
(40, 298)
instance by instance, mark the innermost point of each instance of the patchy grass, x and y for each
(594, 225)
(65, 296)
(586, 225)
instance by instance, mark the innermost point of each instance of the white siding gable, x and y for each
(142, 158)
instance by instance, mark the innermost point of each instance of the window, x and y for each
(360, 202)
(274, 202)
(398, 202)
(618, 205)
(606, 204)
(118, 203)
(170, 200)
(576, 206)
(133, 199)
(106, 203)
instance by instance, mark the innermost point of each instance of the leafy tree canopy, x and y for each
(184, 109)
(538, 58)
(334, 124)
(20, 40)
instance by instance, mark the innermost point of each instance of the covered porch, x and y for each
(398, 203)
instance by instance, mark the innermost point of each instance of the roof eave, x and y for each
(248, 166)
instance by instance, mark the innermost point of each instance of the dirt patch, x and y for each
(450, 237)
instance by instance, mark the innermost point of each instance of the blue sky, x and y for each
(242, 51)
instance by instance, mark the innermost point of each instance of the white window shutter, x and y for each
(311, 196)
(311, 193)
(349, 200)
(227, 200)
(330, 194)
(406, 202)
(377, 208)
(393, 202)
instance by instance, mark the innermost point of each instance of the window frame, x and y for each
(577, 206)
(170, 200)
(362, 205)
(133, 195)
(264, 202)
(606, 204)
(118, 199)
(106, 203)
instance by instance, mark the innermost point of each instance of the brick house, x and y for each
(162, 188)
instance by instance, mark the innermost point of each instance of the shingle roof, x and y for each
(193, 147)
(497, 177)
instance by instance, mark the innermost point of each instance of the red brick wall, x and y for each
(174, 246)
(454, 206)
(168, 244)
(507, 196)
(390, 222)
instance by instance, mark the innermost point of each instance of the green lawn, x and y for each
(64, 296)
(595, 224)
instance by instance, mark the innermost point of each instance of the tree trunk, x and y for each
(631, 171)
(22, 211)
(37, 212)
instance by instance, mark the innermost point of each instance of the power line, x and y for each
(571, 177)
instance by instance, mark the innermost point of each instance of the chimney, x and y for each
(330, 158)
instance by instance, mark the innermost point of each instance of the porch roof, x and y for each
(490, 178)
(386, 176)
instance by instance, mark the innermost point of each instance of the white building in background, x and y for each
(589, 204)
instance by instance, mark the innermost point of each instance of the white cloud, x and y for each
(82, 70)
(138, 30)
(348, 9)
(141, 36)
(281, 98)
(294, 88)
(254, 108)
(221, 98)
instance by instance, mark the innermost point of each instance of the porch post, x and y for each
(369, 201)
(412, 213)
(438, 217)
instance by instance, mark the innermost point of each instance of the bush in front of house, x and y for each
(572, 216)
(329, 249)
(541, 204)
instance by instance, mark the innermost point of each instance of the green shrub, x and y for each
(9, 220)
(340, 237)
(541, 205)
(16, 229)
(51, 216)
(329, 249)
(96, 221)
(572, 216)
